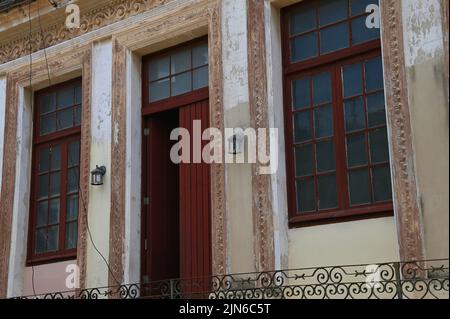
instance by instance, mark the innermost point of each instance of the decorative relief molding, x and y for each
(94, 19)
(85, 172)
(219, 218)
(8, 181)
(118, 162)
(261, 184)
(79, 59)
(406, 206)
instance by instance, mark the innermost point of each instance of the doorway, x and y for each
(176, 213)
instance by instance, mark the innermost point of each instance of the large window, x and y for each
(55, 174)
(336, 135)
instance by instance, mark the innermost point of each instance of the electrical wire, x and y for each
(70, 159)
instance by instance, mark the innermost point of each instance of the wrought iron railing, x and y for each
(398, 280)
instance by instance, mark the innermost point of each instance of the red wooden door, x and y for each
(195, 205)
(161, 250)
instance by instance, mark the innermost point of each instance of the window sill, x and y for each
(51, 258)
(353, 214)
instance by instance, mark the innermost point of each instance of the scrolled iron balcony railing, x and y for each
(398, 280)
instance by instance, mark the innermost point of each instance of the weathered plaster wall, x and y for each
(361, 242)
(19, 231)
(100, 196)
(237, 114)
(427, 95)
(132, 242)
(47, 278)
(276, 120)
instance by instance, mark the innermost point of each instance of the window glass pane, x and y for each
(44, 160)
(359, 187)
(56, 158)
(334, 38)
(327, 192)
(361, 33)
(77, 115)
(159, 68)
(379, 149)
(200, 55)
(382, 190)
(200, 78)
(303, 20)
(181, 61)
(72, 208)
(325, 156)
(354, 115)
(53, 235)
(71, 235)
(64, 119)
(54, 211)
(376, 109)
(301, 93)
(65, 97)
(304, 47)
(304, 160)
(72, 177)
(42, 214)
(374, 74)
(302, 126)
(322, 88)
(159, 90)
(43, 186)
(78, 94)
(74, 153)
(181, 84)
(332, 11)
(306, 196)
(323, 117)
(356, 150)
(41, 240)
(55, 183)
(359, 6)
(352, 78)
(48, 103)
(48, 124)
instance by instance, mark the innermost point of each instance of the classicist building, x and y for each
(350, 97)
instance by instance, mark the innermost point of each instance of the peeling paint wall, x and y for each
(428, 101)
(237, 114)
(101, 134)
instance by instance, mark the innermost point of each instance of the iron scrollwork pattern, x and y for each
(398, 280)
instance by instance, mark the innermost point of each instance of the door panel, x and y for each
(195, 206)
(162, 209)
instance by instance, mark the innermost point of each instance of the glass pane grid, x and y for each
(322, 25)
(363, 188)
(184, 72)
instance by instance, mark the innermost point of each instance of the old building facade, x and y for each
(362, 145)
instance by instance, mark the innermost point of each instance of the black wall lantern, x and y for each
(97, 175)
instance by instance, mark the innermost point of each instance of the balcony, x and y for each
(407, 280)
(6, 5)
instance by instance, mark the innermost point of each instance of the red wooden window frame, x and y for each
(172, 101)
(63, 138)
(331, 62)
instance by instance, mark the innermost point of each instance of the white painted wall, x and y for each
(2, 122)
(21, 208)
(276, 120)
(100, 196)
(238, 177)
(132, 244)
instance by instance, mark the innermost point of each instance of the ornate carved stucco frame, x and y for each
(71, 62)
(177, 26)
